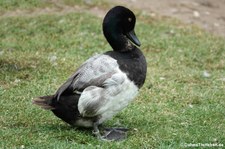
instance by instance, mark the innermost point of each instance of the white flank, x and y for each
(117, 92)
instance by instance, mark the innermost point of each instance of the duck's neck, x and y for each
(118, 41)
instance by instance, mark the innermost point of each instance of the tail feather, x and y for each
(44, 102)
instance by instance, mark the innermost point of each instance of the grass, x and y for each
(32, 4)
(177, 104)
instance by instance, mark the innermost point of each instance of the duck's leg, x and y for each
(115, 134)
(96, 131)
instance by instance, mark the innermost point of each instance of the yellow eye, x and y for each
(129, 19)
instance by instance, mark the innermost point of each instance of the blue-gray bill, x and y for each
(132, 36)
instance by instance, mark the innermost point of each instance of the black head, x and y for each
(118, 27)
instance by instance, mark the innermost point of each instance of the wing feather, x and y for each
(92, 73)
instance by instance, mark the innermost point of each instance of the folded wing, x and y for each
(93, 72)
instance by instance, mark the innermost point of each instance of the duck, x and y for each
(105, 83)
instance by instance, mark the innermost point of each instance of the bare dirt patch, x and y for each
(59, 10)
(208, 14)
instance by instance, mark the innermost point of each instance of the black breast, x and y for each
(133, 63)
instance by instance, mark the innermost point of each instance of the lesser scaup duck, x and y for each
(104, 84)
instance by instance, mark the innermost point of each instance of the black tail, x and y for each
(44, 102)
(64, 108)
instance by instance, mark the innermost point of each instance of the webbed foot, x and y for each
(110, 134)
(115, 134)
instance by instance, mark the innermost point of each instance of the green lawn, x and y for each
(178, 104)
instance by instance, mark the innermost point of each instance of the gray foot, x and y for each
(115, 134)
(110, 134)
